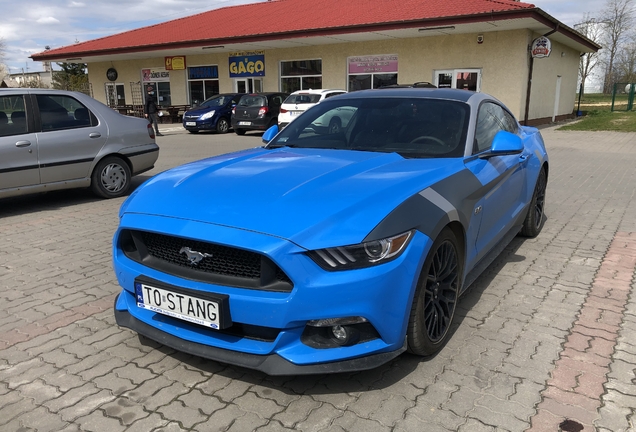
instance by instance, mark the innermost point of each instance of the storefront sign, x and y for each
(175, 63)
(203, 72)
(155, 75)
(541, 47)
(111, 74)
(373, 64)
(247, 66)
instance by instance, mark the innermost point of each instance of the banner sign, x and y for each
(155, 75)
(202, 72)
(175, 63)
(541, 47)
(373, 64)
(247, 66)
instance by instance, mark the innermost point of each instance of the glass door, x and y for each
(249, 85)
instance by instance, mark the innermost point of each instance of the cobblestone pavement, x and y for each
(544, 338)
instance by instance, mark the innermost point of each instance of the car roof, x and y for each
(317, 91)
(431, 93)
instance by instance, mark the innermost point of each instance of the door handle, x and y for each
(94, 135)
(23, 143)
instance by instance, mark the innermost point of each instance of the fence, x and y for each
(623, 96)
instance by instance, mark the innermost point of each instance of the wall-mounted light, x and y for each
(213, 47)
(480, 39)
(436, 28)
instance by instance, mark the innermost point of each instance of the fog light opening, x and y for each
(344, 335)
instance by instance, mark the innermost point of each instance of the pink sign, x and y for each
(373, 64)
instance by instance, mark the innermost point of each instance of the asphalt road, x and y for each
(543, 338)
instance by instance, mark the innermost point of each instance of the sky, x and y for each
(28, 26)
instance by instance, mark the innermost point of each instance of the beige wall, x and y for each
(564, 62)
(502, 59)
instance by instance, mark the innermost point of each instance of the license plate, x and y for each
(178, 305)
(191, 123)
(244, 123)
(294, 113)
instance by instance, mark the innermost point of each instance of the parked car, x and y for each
(55, 139)
(300, 101)
(214, 114)
(331, 252)
(420, 84)
(257, 111)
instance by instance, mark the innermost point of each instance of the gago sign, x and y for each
(247, 66)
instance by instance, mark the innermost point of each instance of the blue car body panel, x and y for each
(282, 203)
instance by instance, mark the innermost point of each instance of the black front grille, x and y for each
(214, 263)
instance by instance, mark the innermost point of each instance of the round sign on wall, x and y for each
(111, 74)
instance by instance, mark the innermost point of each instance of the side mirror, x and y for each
(504, 144)
(270, 134)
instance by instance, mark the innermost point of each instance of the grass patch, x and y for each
(604, 120)
(598, 114)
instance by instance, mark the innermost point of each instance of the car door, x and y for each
(18, 143)
(70, 137)
(503, 180)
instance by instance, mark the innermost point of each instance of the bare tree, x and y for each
(625, 66)
(4, 70)
(618, 19)
(593, 30)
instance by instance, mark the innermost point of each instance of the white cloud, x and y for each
(48, 20)
(75, 4)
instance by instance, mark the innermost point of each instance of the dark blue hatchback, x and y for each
(213, 114)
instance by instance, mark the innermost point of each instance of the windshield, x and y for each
(216, 101)
(412, 127)
(302, 99)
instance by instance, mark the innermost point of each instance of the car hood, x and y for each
(201, 111)
(313, 197)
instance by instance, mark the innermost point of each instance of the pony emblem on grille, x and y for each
(194, 257)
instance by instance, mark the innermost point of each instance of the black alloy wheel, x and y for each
(533, 223)
(436, 296)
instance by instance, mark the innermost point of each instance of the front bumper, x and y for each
(381, 294)
(200, 125)
(271, 364)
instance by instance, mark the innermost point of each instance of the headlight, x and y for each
(207, 115)
(363, 254)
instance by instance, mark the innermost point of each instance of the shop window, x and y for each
(375, 71)
(203, 83)
(300, 75)
(463, 79)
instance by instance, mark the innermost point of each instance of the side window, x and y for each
(490, 120)
(58, 112)
(13, 120)
(510, 124)
(332, 94)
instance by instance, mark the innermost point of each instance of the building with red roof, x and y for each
(287, 45)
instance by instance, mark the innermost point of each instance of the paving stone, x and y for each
(135, 374)
(86, 406)
(151, 422)
(187, 377)
(297, 411)
(39, 391)
(222, 419)
(39, 420)
(204, 403)
(320, 418)
(97, 422)
(178, 411)
(71, 397)
(124, 409)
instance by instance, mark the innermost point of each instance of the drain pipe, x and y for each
(531, 66)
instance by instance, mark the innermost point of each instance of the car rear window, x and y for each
(253, 101)
(299, 99)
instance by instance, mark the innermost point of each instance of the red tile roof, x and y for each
(284, 18)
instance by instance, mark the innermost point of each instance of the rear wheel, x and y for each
(111, 178)
(436, 296)
(239, 131)
(222, 126)
(533, 223)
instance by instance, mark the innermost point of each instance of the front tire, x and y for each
(436, 296)
(535, 218)
(111, 178)
(222, 126)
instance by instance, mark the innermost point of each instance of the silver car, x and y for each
(55, 139)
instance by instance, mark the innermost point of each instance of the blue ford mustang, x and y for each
(331, 249)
